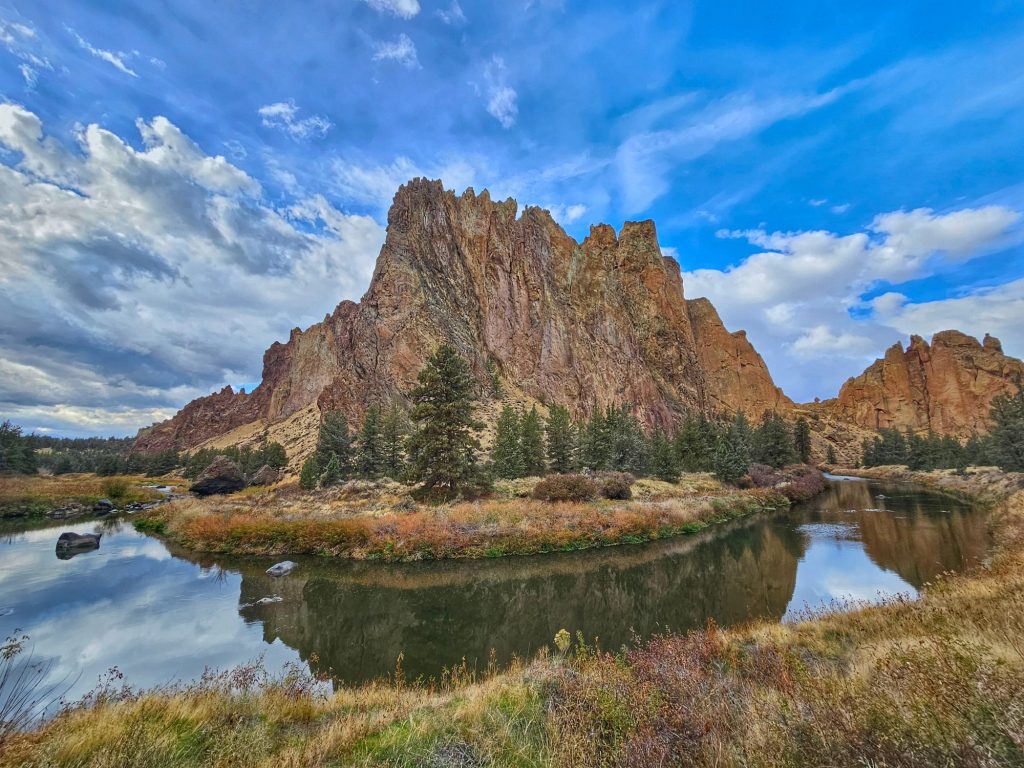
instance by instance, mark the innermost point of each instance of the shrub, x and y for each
(616, 485)
(565, 488)
(115, 488)
(764, 476)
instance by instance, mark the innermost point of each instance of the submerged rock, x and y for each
(222, 476)
(283, 568)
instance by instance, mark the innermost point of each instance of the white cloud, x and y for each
(21, 41)
(158, 63)
(566, 214)
(644, 160)
(841, 208)
(375, 184)
(800, 296)
(403, 9)
(502, 100)
(453, 15)
(116, 58)
(401, 50)
(818, 202)
(283, 115)
(135, 280)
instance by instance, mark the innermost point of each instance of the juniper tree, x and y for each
(332, 472)
(309, 475)
(664, 462)
(830, 456)
(443, 448)
(560, 443)
(773, 442)
(335, 440)
(394, 428)
(802, 439)
(507, 451)
(531, 441)
(369, 453)
(732, 455)
(1006, 438)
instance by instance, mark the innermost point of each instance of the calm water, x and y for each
(159, 614)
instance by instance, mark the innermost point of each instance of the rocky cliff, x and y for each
(946, 386)
(587, 324)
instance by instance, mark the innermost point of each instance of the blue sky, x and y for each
(184, 182)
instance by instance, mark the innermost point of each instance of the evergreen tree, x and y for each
(629, 448)
(664, 462)
(369, 454)
(332, 472)
(695, 444)
(976, 451)
(335, 440)
(274, 455)
(1006, 438)
(393, 430)
(732, 455)
(830, 457)
(507, 451)
(17, 453)
(596, 443)
(802, 439)
(773, 442)
(531, 441)
(309, 475)
(444, 446)
(561, 451)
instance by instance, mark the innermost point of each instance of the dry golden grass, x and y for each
(383, 523)
(41, 493)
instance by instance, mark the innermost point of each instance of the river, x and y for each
(159, 614)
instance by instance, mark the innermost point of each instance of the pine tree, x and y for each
(507, 452)
(1006, 438)
(664, 462)
(629, 448)
(773, 442)
(595, 443)
(393, 430)
(830, 456)
(561, 453)
(732, 455)
(444, 446)
(335, 440)
(369, 454)
(309, 475)
(274, 455)
(332, 472)
(695, 444)
(531, 440)
(802, 439)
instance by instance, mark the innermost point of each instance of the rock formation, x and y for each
(584, 324)
(946, 386)
(222, 476)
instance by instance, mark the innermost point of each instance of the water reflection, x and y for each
(161, 614)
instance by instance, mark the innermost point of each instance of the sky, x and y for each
(184, 182)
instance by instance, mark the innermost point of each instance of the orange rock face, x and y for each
(586, 324)
(946, 386)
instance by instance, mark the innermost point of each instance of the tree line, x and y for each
(1002, 446)
(436, 443)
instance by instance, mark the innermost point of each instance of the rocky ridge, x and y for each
(589, 324)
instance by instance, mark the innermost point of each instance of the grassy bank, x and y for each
(36, 495)
(381, 522)
(937, 681)
(986, 484)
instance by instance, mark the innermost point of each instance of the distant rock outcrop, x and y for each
(946, 386)
(586, 324)
(222, 476)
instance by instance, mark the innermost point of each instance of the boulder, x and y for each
(222, 476)
(265, 475)
(103, 507)
(70, 544)
(283, 568)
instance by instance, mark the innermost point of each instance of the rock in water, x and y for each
(265, 475)
(103, 507)
(222, 476)
(70, 544)
(282, 569)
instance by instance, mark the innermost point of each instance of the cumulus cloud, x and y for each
(401, 50)
(118, 59)
(800, 296)
(502, 100)
(283, 115)
(134, 280)
(403, 9)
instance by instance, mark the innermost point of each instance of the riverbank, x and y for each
(381, 521)
(72, 495)
(988, 485)
(937, 681)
